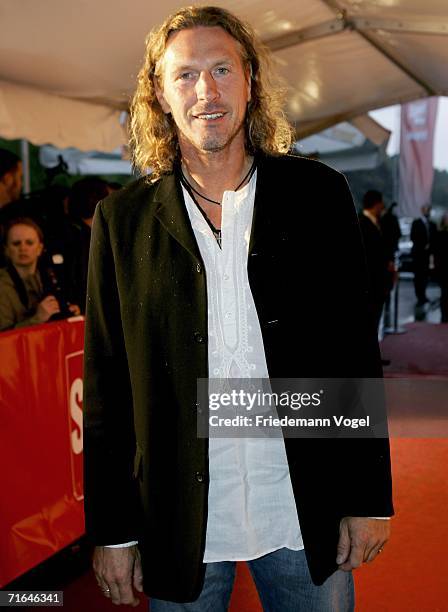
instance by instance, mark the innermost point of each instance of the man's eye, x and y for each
(185, 76)
(222, 70)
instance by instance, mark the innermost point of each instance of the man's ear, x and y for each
(160, 97)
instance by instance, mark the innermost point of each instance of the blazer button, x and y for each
(199, 476)
(198, 268)
(199, 338)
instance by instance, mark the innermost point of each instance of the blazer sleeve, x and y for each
(366, 490)
(111, 503)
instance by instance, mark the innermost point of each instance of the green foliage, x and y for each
(38, 176)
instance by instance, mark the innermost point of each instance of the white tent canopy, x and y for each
(67, 69)
(359, 145)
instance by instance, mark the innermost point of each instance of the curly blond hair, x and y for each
(153, 139)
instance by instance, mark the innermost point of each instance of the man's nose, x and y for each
(206, 88)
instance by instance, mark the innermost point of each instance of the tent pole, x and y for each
(25, 155)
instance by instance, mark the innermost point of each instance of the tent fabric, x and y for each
(347, 146)
(40, 117)
(67, 69)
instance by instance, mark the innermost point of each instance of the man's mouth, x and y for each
(209, 116)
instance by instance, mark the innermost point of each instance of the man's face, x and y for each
(378, 209)
(205, 88)
(426, 210)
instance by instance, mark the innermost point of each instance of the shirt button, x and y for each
(199, 338)
(226, 277)
(228, 315)
(199, 476)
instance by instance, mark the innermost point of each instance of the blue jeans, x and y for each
(283, 583)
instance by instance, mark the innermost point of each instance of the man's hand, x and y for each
(118, 571)
(360, 539)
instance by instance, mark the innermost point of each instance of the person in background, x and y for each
(42, 206)
(378, 264)
(10, 190)
(391, 232)
(390, 228)
(10, 177)
(423, 234)
(85, 195)
(23, 297)
(441, 263)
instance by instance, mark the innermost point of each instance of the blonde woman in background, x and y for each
(23, 300)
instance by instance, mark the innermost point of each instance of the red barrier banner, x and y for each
(41, 508)
(416, 170)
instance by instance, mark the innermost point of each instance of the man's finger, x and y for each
(104, 588)
(371, 550)
(127, 594)
(138, 574)
(114, 593)
(356, 555)
(343, 549)
(375, 551)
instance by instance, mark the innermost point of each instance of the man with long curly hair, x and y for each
(227, 259)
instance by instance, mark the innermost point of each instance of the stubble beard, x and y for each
(213, 143)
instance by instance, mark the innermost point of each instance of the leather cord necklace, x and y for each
(192, 191)
(189, 186)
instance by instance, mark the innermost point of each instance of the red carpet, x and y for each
(422, 350)
(411, 575)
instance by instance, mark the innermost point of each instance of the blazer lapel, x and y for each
(264, 197)
(172, 214)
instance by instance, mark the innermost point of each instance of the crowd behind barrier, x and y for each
(41, 444)
(44, 246)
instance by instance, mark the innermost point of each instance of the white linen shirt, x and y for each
(251, 507)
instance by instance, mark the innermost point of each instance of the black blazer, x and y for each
(146, 472)
(376, 257)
